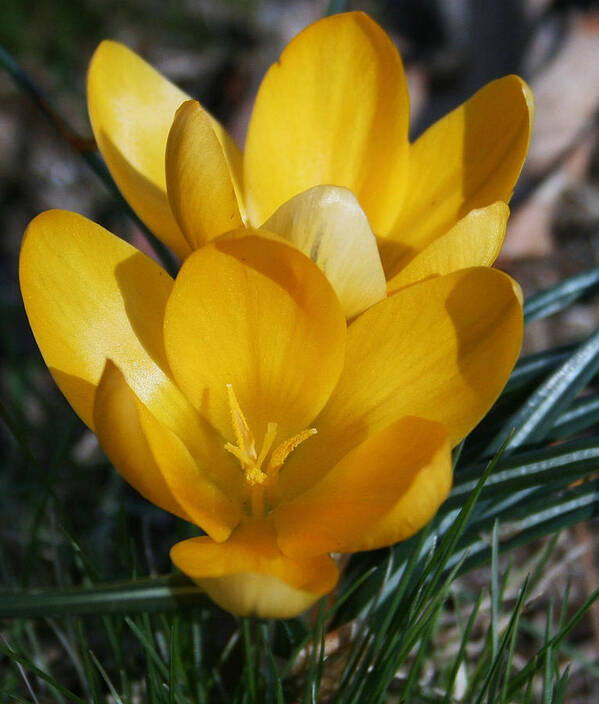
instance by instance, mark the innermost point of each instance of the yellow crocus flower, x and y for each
(327, 155)
(237, 397)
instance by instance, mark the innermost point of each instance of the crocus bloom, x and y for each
(327, 150)
(238, 398)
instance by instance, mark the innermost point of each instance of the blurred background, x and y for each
(218, 52)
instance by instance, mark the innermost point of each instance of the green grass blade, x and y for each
(152, 594)
(523, 676)
(561, 296)
(27, 664)
(582, 414)
(107, 680)
(536, 417)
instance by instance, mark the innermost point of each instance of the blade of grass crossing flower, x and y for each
(536, 417)
(561, 296)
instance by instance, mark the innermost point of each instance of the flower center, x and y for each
(260, 473)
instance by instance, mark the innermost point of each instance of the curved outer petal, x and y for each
(470, 158)
(249, 576)
(381, 492)
(131, 108)
(155, 462)
(327, 224)
(200, 185)
(334, 109)
(90, 297)
(441, 349)
(475, 240)
(259, 315)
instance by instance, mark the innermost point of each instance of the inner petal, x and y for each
(261, 316)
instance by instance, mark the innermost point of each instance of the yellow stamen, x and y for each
(246, 445)
(278, 457)
(257, 479)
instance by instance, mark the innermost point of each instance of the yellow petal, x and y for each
(90, 297)
(131, 108)
(155, 462)
(469, 159)
(200, 185)
(474, 241)
(441, 349)
(327, 224)
(249, 576)
(333, 110)
(382, 491)
(259, 315)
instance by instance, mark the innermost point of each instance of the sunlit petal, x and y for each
(200, 185)
(475, 240)
(327, 224)
(256, 314)
(333, 110)
(131, 108)
(90, 297)
(250, 576)
(470, 158)
(382, 491)
(441, 349)
(155, 462)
